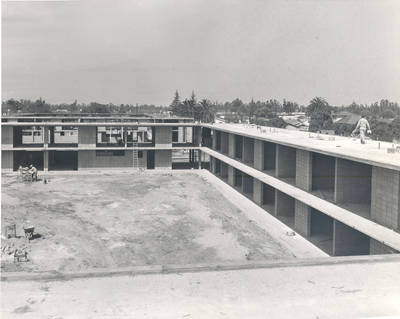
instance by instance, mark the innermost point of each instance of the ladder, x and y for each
(135, 156)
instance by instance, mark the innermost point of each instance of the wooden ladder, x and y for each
(135, 156)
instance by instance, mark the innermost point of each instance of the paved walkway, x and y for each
(350, 290)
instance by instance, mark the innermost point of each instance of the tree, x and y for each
(207, 114)
(176, 105)
(320, 115)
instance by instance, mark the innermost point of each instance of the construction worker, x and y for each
(33, 172)
(363, 126)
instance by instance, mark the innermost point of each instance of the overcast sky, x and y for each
(142, 51)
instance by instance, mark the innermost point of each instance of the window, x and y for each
(36, 133)
(110, 153)
(140, 154)
(62, 133)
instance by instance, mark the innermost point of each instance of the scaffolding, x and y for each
(135, 156)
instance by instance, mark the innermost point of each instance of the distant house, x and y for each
(296, 122)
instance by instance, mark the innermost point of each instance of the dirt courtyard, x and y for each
(87, 220)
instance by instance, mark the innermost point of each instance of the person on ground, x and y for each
(33, 172)
(363, 127)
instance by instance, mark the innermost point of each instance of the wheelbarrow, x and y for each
(29, 232)
(20, 255)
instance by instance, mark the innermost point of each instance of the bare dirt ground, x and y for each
(121, 219)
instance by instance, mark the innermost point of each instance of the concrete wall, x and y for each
(163, 136)
(302, 219)
(89, 160)
(348, 241)
(352, 182)
(285, 161)
(87, 136)
(259, 155)
(248, 150)
(284, 204)
(377, 248)
(7, 161)
(385, 197)
(7, 136)
(163, 159)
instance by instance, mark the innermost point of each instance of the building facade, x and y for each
(342, 196)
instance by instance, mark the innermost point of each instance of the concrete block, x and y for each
(302, 219)
(304, 169)
(385, 197)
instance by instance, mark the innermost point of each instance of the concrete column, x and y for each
(87, 136)
(199, 158)
(304, 169)
(231, 175)
(214, 140)
(352, 182)
(302, 219)
(284, 204)
(248, 150)
(259, 155)
(285, 161)
(348, 241)
(7, 139)
(7, 161)
(45, 136)
(257, 191)
(231, 145)
(212, 165)
(45, 160)
(385, 197)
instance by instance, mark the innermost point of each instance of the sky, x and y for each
(142, 51)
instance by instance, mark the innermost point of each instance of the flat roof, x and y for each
(373, 153)
(378, 232)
